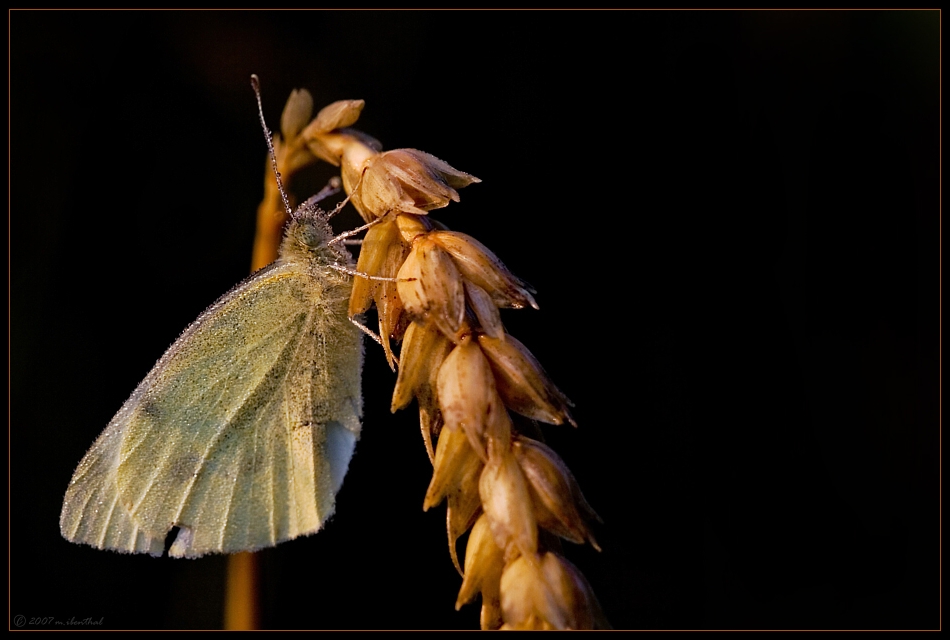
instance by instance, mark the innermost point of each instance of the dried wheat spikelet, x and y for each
(439, 295)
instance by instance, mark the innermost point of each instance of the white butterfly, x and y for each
(241, 434)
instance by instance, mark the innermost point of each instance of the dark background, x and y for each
(732, 223)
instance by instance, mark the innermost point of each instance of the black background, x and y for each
(731, 220)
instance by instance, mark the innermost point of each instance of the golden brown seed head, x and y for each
(409, 181)
(373, 253)
(430, 287)
(342, 113)
(489, 320)
(552, 488)
(454, 457)
(522, 383)
(296, 113)
(463, 369)
(467, 395)
(482, 267)
(484, 562)
(527, 600)
(507, 505)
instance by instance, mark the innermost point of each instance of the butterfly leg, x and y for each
(353, 232)
(360, 274)
(367, 330)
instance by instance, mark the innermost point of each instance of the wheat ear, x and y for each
(440, 296)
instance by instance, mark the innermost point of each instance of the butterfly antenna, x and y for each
(256, 84)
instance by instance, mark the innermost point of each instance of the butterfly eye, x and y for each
(311, 235)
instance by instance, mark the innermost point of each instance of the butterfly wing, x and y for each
(241, 433)
(92, 512)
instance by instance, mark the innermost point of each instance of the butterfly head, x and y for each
(308, 236)
(309, 228)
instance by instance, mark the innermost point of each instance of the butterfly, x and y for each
(242, 432)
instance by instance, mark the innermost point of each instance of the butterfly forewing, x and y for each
(92, 512)
(241, 433)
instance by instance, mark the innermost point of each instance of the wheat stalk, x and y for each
(439, 296)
